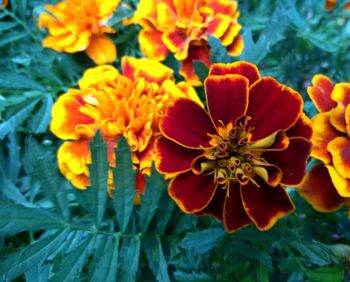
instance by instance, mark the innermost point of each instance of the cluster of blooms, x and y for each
(128, 104)
(182, 28)
(231, 160)
(327, 185)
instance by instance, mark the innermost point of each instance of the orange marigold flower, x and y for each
(5, 2)
(232, 161)
(182, 28)
(327, 186)
(75, 26)
(330, 4)
(127, 104)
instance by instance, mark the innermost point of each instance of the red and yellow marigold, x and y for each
(327, 185)
(127, 104)
(233, 160)
(75, 26)
(182, 28)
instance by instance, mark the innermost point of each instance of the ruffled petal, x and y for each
(320, 93)
(340, 150)
(337, 117)
(101, 49)
(173, 158)
(177, 42)
(293, 168)
(341, 184)
(243, 68)
(236, 47)
(188, 124)
(318, 189)
(269, 101)
(265, 204)
(227, 98)
(218, 26)
(341, 93)
(192, 193)
(302, 128)
(235, 216)
(151, 44)
(324, 132)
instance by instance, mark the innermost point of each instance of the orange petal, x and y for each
(341, 184)
(329, 5)
(151, 44)
(318, 189)
(341, 93)
(236, 47)
(230, 34)
(218, 26)
(320, 93)
(177, 42)
(323, 133)
(337, 117)
(340, 150)
(101, 49)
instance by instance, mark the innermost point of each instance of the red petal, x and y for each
(291, 161)
(186, 123)
(140, 182)
(269, 101)
(235, 217)
(340, 150)
(173, 158)
(246, 69)
(192, 193)
(324, 132)
(320, 93)
(302, 128)
(236, 47)
(227, 98)
(318, 189)
(265, 204)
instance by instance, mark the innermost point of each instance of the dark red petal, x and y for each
(292, 161)
(227, 97)
(173, 158)
(192, 193)
(320, 92)
(302, 128)
(265, 204)
(187, 124)
(246, 69)
(272, 107)
(318, 189)
(235, 217)
(216, 205)
(140, 182)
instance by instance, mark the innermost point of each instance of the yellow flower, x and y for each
(182, 27)
(75, 26)
(128, 104)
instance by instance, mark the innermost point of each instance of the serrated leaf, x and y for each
(17, 81)
(14, 121)
(313, 251)
(124, 181)
(218, 51)
(97, 192)
(156, 259)
(155, 185)
(7, 25)
(44, 168)
(13, 160)
(38, 273)
(192, 277)
(326, 274)
(74, 262)
(41, 119)
(203, 241)
(12, 37)
(22, 261)
(129, 259)
(12, 192)
(166, 208)
(106, 266)
(14, 219)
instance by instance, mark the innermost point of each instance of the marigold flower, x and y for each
(4, 3)
(75, 26)
(127, 104)
(327, 185)
(330, 4)
(233, 160)
(182, 28)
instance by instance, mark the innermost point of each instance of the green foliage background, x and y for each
(50, 231)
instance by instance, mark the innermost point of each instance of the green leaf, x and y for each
(312, 250)
(12, 192)
(218, 51)
(22, 261)
(74, 262)
(42, 117)
(155, 185)
(97, 192)
(106, 265)
(13, 160)
(156, 259)
(15, 219)
(124, 11)
(38, 273)
(203, 241)
(7, 25)
(14, 121)
(129, 259)
(165, 212)
(200, 69)
(44, 168)
(326, 274)
(12, 37)
(18, 81)
(192, 277)
(124, 181)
